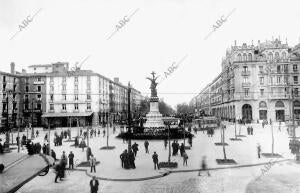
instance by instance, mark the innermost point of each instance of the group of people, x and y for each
(61, 166)
(127, 159)
(175, 147)
(33, 148)
(210, 131)
(250, 130)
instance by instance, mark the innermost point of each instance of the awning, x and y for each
(82, 114)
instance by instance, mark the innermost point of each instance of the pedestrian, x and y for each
(103, 132)
(155, 160)
(64, 158)
(279, 127)
(80, 132)
(58, 168)
(135, 148)
(37, 133)
(251, 130)
(93, 163)
(122, 157)
(94, 183)
(1, 147)
(182, 150)
(114, 129)
(131, 158)
(185, 158)
(204, 166)
(53, 154)
(76, 141)
(98, 132)
(71, 160)
(248, 130)
(173, 148)
(258, 150)
(146, 144)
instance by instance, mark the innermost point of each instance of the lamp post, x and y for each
(19, 141)
(31, 126)
(129, 117)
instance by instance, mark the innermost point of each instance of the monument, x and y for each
(154, 117)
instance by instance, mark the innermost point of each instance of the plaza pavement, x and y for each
(244, 152)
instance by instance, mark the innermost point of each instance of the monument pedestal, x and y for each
(154, 117)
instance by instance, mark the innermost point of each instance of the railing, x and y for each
(246, 73)
(246, 84)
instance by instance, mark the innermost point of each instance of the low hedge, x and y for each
(167, 165)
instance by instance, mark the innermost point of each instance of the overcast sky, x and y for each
(159, 33)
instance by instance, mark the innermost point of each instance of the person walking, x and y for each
(185, 158)
(135, 148)
(58, 169)
(64, 158)
(166, 143)
(71, 160)
(53, 154)
(182, 150)
(146, 144)
(258, 150)
(131, 158)
(93, 163)
(94, 183)
(204, 166)
(155, 160)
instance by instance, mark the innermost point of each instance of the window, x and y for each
(51, 88)
(88, 107)
(76, 78)
(276, 55)
(296, 92)
(64, 79)
(271, 80)
(4, 78)
(76, 87)
(295, 68)
(286, 80)
(284, 55)
(64, 87)
(239, 57)
(51, 79)
(51, 97)
(270, 56)
(261, 80)
(51, 107)
(64, 96)
(244, 57)
(39, 97)
(88, 97)
(262, 92)
(26, 97)
(246, 91)
(250, 57)
(245, 68)
(245, 79)
(39, 88)
(295, 79)
(26, 106)
(261, 69)
(76, 106)
(76, 97)
(278, 69)
(39, 79)
(4, 87)
(88, 78)
(34, 69)
(64, 107)
(286, 68)
(278, 79)
(27, 88)
(39, 106)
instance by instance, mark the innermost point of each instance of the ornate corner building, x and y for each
(256, 83)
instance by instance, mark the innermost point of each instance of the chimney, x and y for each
(12, 68)
(116, 80)
(234, 42)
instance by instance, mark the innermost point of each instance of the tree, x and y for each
(164, 108)
(184, 108)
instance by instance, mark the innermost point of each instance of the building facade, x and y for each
(256, 83)
(54, 95)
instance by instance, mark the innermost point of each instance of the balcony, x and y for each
(51, 111)
(63, 110)
(34, 110)
(245, 73)
(38, 82)
(88, 110)
(246, 84)
(76, 111)
(279, 96)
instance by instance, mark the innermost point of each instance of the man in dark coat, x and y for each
(94, 183)
(155, 160)
(131, 159)
(122, 157)
(71, 160)
(182, 149)
(135, 148)
(146, 144)
(174, 148)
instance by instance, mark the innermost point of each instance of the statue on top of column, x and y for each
(153, 84)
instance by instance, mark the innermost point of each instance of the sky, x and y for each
(153, 36)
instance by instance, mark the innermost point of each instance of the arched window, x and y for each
(250, 57)
(283, 55)
(262, 104)
(276, 55)
(244, 57)
(279, 104)
(239, 57)
(297, 104)
(270, 56)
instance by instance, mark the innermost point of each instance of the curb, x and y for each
(168, 172)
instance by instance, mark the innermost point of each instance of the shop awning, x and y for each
(81, 114)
